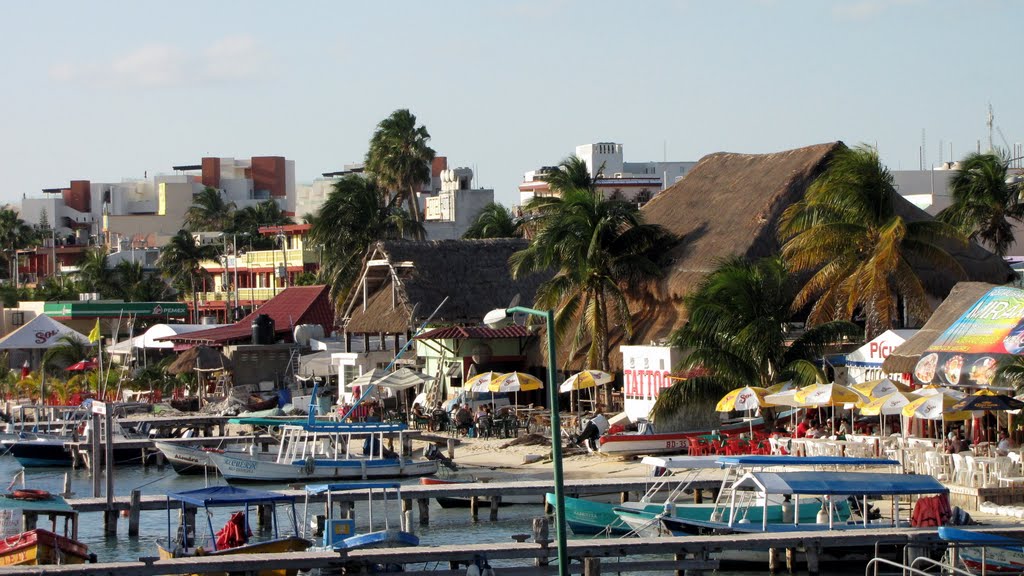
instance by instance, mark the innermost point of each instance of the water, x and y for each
(447, 526)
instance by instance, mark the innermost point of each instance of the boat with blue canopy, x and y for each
(235, 536)
(342, 533)
(985, 553)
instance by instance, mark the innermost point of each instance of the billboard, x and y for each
(968, 351)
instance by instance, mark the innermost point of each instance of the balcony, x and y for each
(244, 295)
(268, 258)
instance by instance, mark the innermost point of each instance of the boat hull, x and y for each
(52, 453)
(379, 539)
(39, 546)
(628, 444)
(589, 518)
(250, 468)
(290, 544)
(464, 502)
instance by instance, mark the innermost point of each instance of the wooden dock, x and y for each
(81, 451)
(588, 556)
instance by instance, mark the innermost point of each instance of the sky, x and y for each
(107, 90)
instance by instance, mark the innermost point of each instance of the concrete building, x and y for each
(632, 181)
(450, 211)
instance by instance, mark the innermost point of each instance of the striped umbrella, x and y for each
(481, 382)
(873, 389)
(934, 407)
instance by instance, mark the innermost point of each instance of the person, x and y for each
(801, 428)
(841, 434)
(438, 419)
(952, 443)
(597, 426)
(417, 411)
(1005, 444)
(484, 420)
(464, 419)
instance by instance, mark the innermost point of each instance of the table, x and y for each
(987, 466)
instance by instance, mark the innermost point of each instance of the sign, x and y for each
(645, 373)
(92, 309)
(99, 408)
(967, 353)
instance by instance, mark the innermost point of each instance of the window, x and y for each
(17, 318)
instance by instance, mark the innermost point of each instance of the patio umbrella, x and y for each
(833, 395)
(585, 380)
(889, 405)
(481, 382)
(784, 399)
(934, 407)
(746, 398)
(932, 390)
(988, 400)
(873, 389)
(82, 366)
(516, 382)
(782, 387)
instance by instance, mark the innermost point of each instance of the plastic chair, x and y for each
(1007, 470)
(972, 472)
(697, 448)
(959, 466)
(935, 464)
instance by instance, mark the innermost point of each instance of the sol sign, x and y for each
(43, 336)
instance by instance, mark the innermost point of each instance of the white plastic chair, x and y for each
(936, 466)
(1008, 470)
(972, 473)
(959, 468)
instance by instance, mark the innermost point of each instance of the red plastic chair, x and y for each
(697, 448)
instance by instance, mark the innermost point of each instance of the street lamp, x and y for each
(499, 317)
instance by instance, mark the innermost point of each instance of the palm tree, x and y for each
(738, 334)
(248, 221)
(134, 284)
(400, 158)
(93, 274)
(354, 215)
(70, 349)
(570, 173)
(984, 202)
(847, 233)
(494, 221)
(180, 262)
(15, 234)
(598, 249)
(208, 212)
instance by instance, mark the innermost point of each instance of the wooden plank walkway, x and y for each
(679, 548)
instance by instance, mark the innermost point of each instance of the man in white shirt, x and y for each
(597, 426)
(1005, 445)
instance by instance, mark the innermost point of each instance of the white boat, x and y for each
(342, 533)
(324, 451)
(985, 553)
(187, 459)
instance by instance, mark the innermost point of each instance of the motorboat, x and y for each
(235, 538)
(464, 501)
(382, 531)
(985, 553)
(57, 544)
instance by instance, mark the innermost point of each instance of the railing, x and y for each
(268, 258)
(244, 295)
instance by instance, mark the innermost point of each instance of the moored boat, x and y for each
(233, 538)
(341, 533)
(985, 553)
(464, 501)
(57, 545)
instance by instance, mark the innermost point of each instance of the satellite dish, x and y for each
(518, 318)
(496, 318)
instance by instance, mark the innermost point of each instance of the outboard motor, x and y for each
(434, 453)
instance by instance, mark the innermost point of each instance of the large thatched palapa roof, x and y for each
(960, 299)
(399, 277)
(730, 205)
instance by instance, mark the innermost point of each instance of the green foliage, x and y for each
(247, 222)
(984, 203)
(847, 234)
(399, 157)
(15, 234)
(599, 249)
(209, 212)
(180, 261)
(306, 279)
(68, 351)
(738, 335)
(354, 215)
(494, 221)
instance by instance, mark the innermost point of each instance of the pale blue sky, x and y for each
(103, 90)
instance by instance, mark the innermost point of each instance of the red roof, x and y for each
(477, 332)
(293, 306)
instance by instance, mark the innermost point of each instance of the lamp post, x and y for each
(498, 317)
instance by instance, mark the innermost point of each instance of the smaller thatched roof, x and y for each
(960, 299)
(201, 358)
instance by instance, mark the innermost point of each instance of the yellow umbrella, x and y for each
(934, 408)
(826, 395)
(878, 388)
(481, 382)
(932, 389)
(746, 398)
(782, 387)
(887, 405)
(515, 382)
(585, 379)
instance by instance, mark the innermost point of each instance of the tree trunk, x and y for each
(414, 209)
(195, 299)
(603, 346)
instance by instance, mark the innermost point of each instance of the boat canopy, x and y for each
(228, 495)
(348, 486)
(322, 425)
(682, 462)
(839, 483)
(961, 536)
(54, 504)
(802, 461)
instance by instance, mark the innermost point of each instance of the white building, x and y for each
(451, 211)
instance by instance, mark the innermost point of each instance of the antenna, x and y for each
(924, 149)
(989, 123)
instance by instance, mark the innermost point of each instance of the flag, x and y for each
(94, 335)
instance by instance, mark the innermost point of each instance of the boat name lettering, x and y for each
(236, 464)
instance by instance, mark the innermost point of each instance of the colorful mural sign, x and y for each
(967, 353)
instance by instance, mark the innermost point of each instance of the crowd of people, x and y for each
(461, 418)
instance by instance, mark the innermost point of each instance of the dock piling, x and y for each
(474, 507)
(591, 566)
(623, 497)
(698, 496)
(812, 561)
(424, 506)
(540, 536)
(495, 502)
(134, 512)
(67, 486)
(789, 560)
(110, 522)
(451, 448)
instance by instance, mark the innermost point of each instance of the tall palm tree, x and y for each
(15, 234)
(209, 212)
(847, 233)
(69, 349)
(180, 262)
(93, 272)
(354, 215)
(494, 221)
(134, 284)
(738, 334)
(248, 221)
(572, 172)
(598, 248)
(984, 202)
(400, 158)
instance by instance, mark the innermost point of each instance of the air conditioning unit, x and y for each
(17, 318)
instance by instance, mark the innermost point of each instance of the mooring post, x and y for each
(264, 513)
(134, 512)
(94, 456)
(474, 505)
(812, 560)
(698, 496)
(540, 536)
(67, 486)
(773, 561)
(623, 496)
(495, 502)
(789, 560)
(109, 522)
(424, 506)
(160, 461)
(451, 448)
(591, 566)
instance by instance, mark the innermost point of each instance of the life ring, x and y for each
(29, 494)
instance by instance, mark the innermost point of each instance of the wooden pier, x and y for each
(588, 556)
(81, 451)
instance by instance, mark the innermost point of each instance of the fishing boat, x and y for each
(464, 501)
(821, 491)
(57, 545)
(342, 533)
(326, 452)
(234, 537)
(187, 459)
(985, 553)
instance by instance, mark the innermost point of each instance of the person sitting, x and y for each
(801, 428)
(418, 417)
(597, 426)
(1005, 444)
(952, 444)
(438, 419)
(484, 421)
(464, 419)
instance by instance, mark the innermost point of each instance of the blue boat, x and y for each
(989, 553)
(341, 534)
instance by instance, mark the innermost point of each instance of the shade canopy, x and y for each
(201, 359)
(987, 400)
(873, 389)
(403, 379)
(40, 333)
(586, 379)
(515, 382)
(228, 496)
(746, 398)
(889, 405)
(826, 395)
(840, 483)
(785, 398)
(481, 382)
(934, 407)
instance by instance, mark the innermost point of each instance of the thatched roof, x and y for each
(200, 358)
(730, 205)
(960, 299)
(400, 277)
